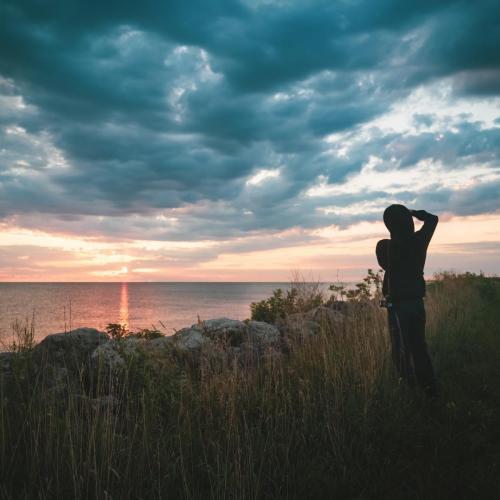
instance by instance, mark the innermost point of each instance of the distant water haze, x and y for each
(60, 306)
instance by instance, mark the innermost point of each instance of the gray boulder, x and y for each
(160, 344)
(60, 359)
(325, 316)
(108, 357)
(225, 338)
(190, 339)
(230, 331)
(298, 325)
(131, 346)
(263, 333)
(74, 347)
(311, 322)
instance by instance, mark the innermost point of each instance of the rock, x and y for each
(263, 341)
(225, 339)
(298, 325)
(190, 339)
(61, 359)
(131, 346)
(161, 343)
(310, 322)
(111, 359)
(263, 332)
(75, 346)
(229, 331)
(326, 316)
(57, 379)
(107, 357)
(77, 360)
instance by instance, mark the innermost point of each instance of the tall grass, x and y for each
(328, 420)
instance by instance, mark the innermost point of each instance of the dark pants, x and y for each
(409, 350)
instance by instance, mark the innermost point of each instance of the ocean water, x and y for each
(58, 307)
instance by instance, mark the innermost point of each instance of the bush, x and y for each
(118, 331)
(286, 302)
(369, 288)
(304, 296)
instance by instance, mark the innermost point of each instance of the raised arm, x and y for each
(430, 222)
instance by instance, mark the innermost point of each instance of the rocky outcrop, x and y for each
(234, 337)
(190, 339)
(311, 322)
(74, 347)
(108, 357)
(214, 338)
(62, 358)
(85, 353)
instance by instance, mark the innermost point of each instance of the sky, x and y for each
(244, 140)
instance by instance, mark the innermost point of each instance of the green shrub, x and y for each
(117, 331)
(286, 302)
(304, 296)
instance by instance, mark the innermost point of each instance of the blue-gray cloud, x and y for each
(115, 113)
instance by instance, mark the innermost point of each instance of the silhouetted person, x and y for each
(403, 259)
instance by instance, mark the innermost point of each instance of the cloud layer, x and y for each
(224, 120)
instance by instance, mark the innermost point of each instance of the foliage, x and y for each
(487, 287)
(304, 296)
(369, 288)
(285, 302)
(23, 335)
(118, 331)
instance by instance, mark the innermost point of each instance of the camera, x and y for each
(385, 303)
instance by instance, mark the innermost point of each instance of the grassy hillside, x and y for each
(327, 420)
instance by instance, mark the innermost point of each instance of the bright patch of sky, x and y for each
(262, 175)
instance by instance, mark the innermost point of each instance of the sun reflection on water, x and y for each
(124, 305)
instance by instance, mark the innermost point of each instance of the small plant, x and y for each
(369, 288)
(339, 292)
(117, 331)
(23, 334)
(270, 309)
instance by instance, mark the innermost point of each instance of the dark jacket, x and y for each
(403, 258)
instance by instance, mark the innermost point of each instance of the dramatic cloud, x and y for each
(234, 123)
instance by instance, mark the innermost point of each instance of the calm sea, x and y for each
(60, 306)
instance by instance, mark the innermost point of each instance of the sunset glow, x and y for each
(329, 253)
(140, 153)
